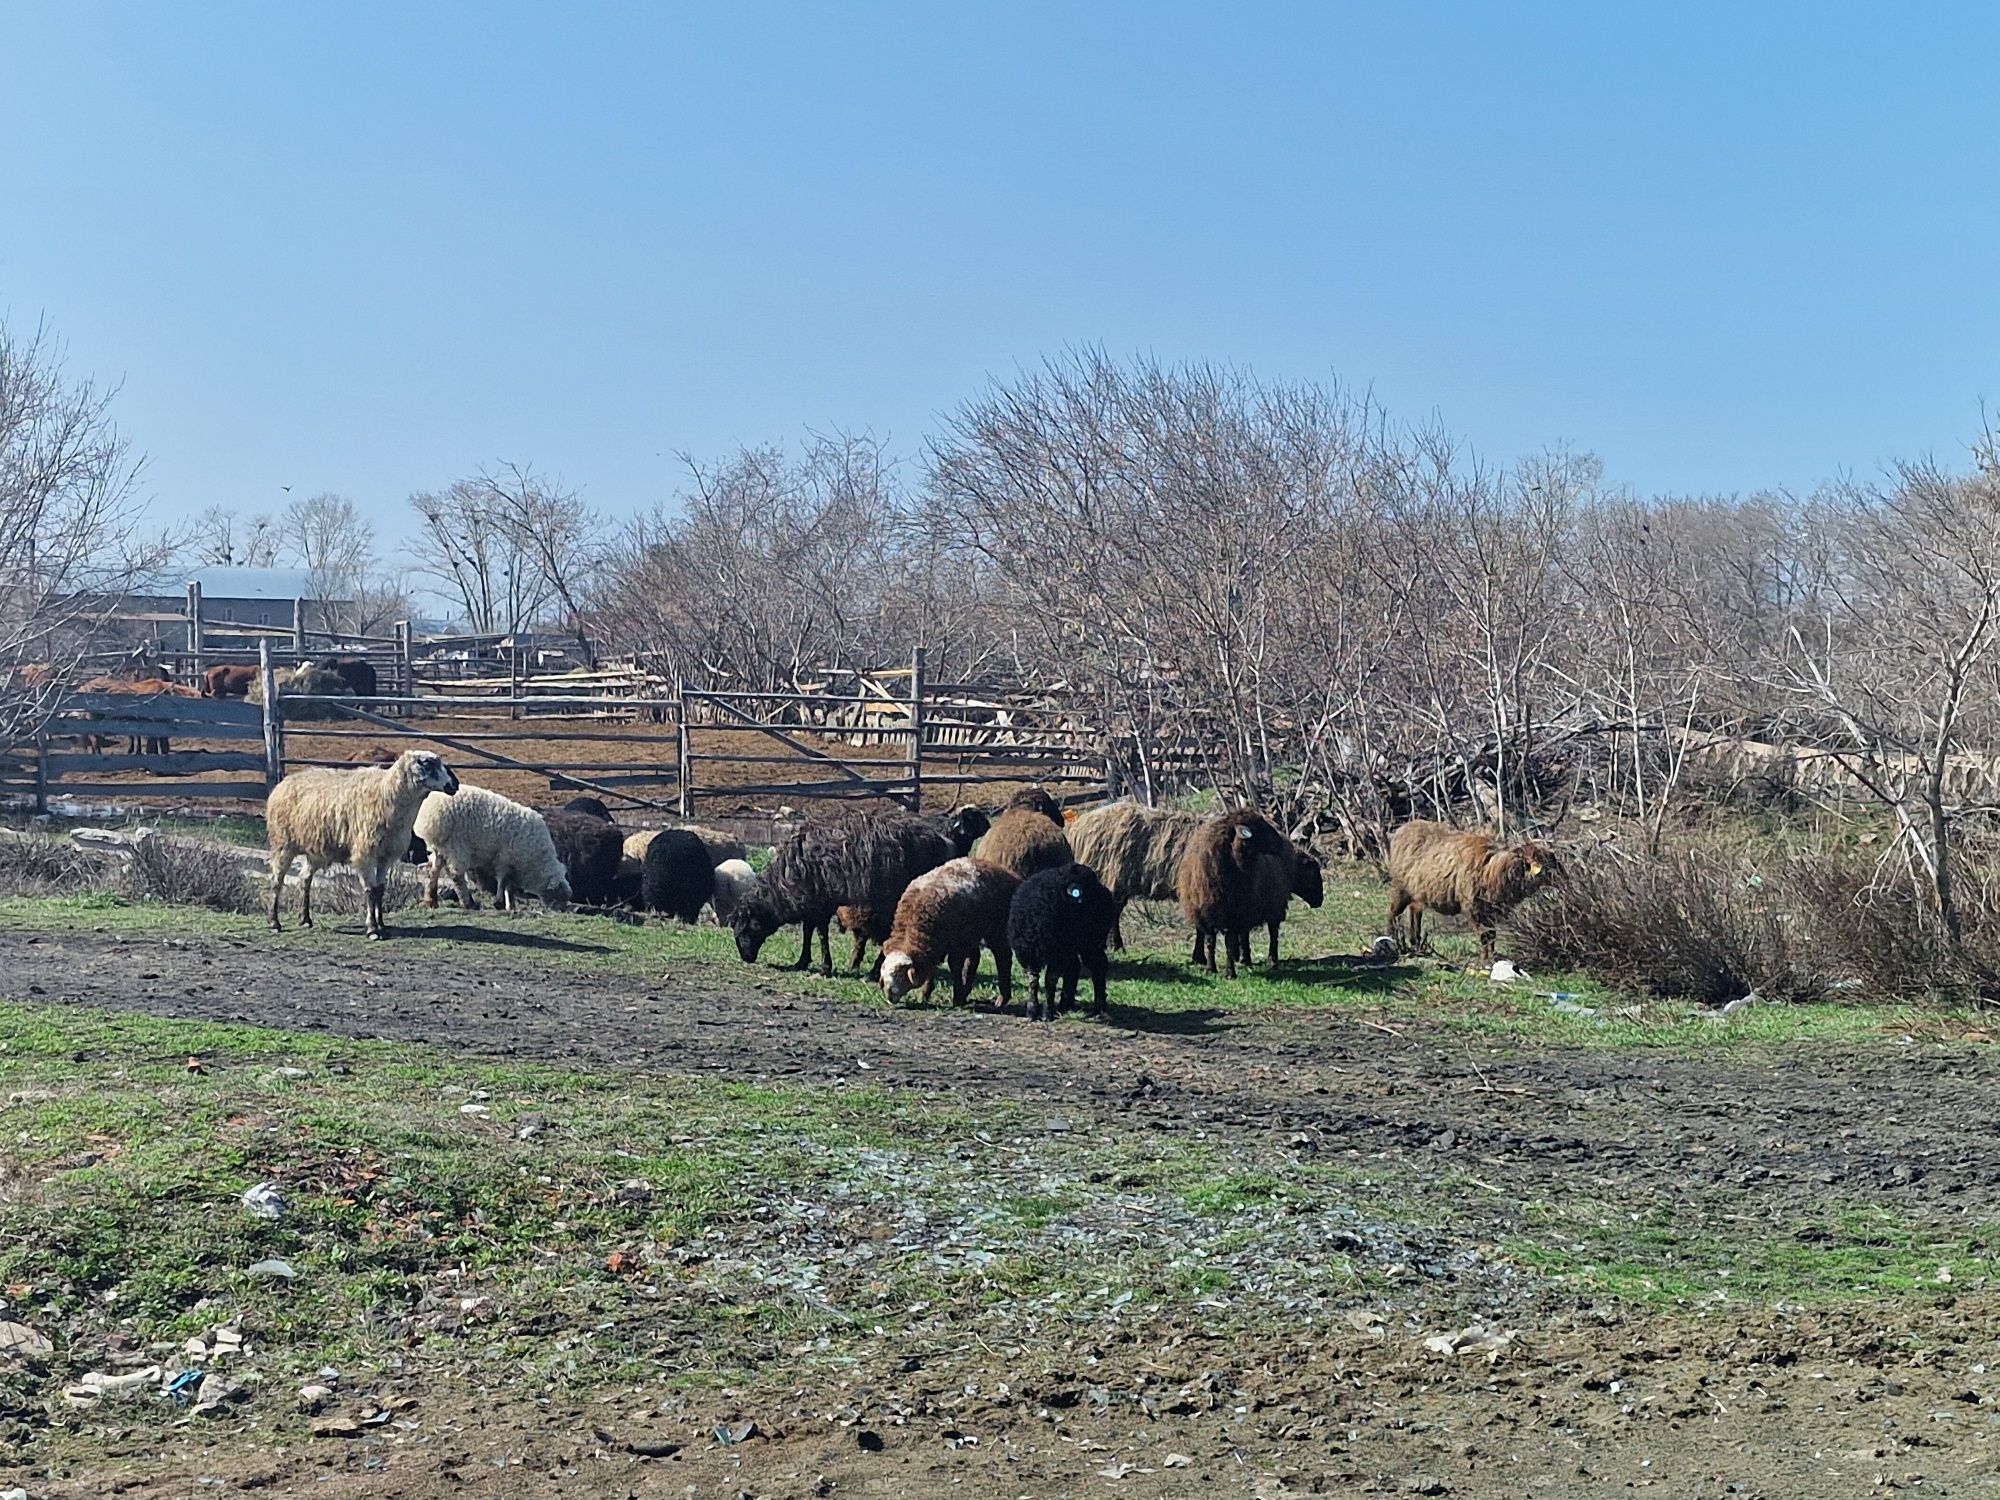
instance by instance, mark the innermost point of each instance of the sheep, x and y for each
(594, 807)
(1035, 799)
(734, 879)
(482, 834)
(676, 876)
(853, 858)
(1059, 922)
(1217, 881)
(867, 924)
(1135, 850)
(591, 851)
(720, 845)
(1025, 839)
(1434, 867)
(1294, 872)
(359, 818)
(356, 672)
(227, 682)
(946, 916)
(964, 825)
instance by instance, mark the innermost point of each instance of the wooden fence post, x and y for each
(299, 629)
(408, 687)
(195, 642)
(41, 772)
(917, 730)
(684, 750)
(274, 734)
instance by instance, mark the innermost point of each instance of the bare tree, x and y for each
(70, 518)
(329, 538)
(225, 538)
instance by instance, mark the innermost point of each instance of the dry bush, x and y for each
(1708, 922)
(338, 893)
(1690, 924)
(35, 865)
(181, 873)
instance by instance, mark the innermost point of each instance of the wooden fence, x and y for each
(674, 752)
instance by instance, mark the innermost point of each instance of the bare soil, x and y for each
(1728, 1399)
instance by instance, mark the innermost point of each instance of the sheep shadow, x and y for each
(495, 937)
(1199, 1021)
(1357, 975)
(1151, 970)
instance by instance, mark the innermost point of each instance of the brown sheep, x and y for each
(1434, 867)
(1218, 882)
(867, 925)
(1034, 799)
(1024, 840)
(946, 916)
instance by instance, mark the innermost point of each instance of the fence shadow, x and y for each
(495, 937)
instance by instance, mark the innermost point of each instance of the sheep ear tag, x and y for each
(1535, 868)
(1076, 893)
(1243, 833)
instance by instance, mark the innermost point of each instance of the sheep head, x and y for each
(901, 973)
(753, 922)
(426, 769)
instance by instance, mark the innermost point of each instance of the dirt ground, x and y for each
(1728, 1399)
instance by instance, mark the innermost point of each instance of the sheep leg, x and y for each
(826, 949)
(1416, 928)
(1098, 964)
(1034, 993)
(1003, 960)
(306, 897)
(1399, 901)
(1488, 938)
(465, 897)
(1200, 955)
(1071, 971)
(1274, 945)
(1118, 928)
(860, 946)
(281, 861)
(1230, 942)
(431, 881)
(805, 953)
(503, 892)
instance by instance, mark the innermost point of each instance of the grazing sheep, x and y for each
(594, 807)
(1059, 922)
(676, 877)
(1293, 873)
(359, 818)
(1434, 867)
(946, 916)
(1024, 840)
(489, 837)
(1218, 882)
(720, 845)
(591, 851)
(357, 673)
(1135, 850)
(227, 682)
(856, 857)
(734, 879)
(964, 825)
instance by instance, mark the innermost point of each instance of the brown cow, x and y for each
(227, 682)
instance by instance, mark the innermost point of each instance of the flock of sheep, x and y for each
(1041, 890)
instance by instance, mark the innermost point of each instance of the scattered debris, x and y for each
(97, 1386)
(278, 1269)
(315, 1398)
(636, 1193)
(1491, 1342)
(20, 1339)
(729, 1434)
(265, 1201)
(1504, 972)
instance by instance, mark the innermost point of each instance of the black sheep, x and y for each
(675, 877)
(590, 807)
(593, 850)
(1060, 922)
(855, 857)
(964, 826)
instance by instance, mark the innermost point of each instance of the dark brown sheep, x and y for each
(1434, 867)
(1034, 799)
(945, 917)
(1294, 873)
(1218, 882)
(1024, 840)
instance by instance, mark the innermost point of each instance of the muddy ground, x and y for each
(1730, 1398)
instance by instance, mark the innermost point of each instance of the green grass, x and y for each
(1152, 985)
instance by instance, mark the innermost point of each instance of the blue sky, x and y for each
(368, 248)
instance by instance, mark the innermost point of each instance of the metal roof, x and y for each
(274, 584)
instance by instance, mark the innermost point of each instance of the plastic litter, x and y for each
(265, 1201)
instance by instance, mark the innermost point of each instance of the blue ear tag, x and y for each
(1076, 893)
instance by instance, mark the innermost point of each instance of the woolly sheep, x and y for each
(1294, 872)
(592, 806)
(1433, 867)
(1135, 850)
(855, 857)
(591, 851)
(1024, 840)
(676, 876)
(358, 818)
(1217, 881)
(1059, 922)
(734, 879)
(481, 834)
(946, 916)
(720, 846)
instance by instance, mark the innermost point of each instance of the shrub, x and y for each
(181, 873)
(35, 865)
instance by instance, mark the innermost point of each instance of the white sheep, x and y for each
(358, 818)
(493, 838)
(734, 879)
